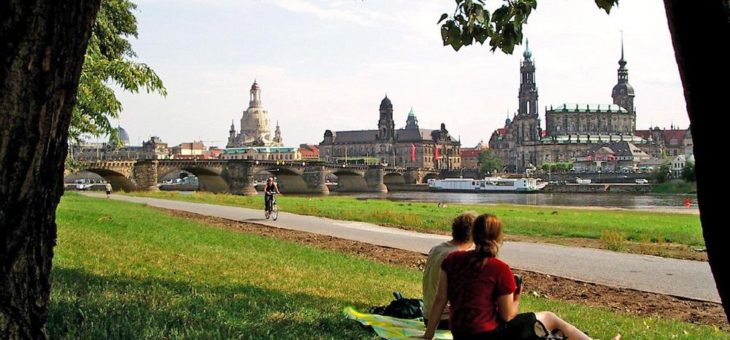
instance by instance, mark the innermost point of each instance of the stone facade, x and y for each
(572, 131)
(255, 130)
(409, 147)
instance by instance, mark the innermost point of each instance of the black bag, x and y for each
(401, 308)
(542, 333)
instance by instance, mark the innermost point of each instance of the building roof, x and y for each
(192, 146)
(368, 136)
(643, 133)
(586, 108)
(469, 152)
(618, 149)
(674, 135)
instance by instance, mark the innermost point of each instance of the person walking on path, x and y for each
(460, 241)
(108, 187)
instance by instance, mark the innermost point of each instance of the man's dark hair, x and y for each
(461, 227)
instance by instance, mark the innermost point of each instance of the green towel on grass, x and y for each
(393, 328)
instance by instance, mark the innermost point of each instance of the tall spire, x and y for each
(527, 54)
(623, 72)
(622, 61)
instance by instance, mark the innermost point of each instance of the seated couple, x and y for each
(468, 290)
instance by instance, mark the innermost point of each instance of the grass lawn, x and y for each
(630, 225)
(122, 270)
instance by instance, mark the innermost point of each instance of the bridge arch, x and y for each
(289, 180)
(349, 180)
(118, 180)
(428, 176)
(394, 178)
(208, 179)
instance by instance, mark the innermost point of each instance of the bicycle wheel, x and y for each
(275, 211)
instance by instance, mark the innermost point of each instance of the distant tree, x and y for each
(489, 162)
(695, 27)
(661, 174)
(547, 166)
(688, 172)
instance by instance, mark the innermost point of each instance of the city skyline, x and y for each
(313, 79)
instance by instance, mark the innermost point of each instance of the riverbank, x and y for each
(127, 271)
(663, 234)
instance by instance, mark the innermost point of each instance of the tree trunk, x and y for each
(699, 30)
(42, 46)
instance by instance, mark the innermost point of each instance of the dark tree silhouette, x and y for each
(42, 46)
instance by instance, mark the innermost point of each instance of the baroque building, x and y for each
(255, 129)
(572, 131)
(409, 147)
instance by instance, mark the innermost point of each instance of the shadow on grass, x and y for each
(89, 306)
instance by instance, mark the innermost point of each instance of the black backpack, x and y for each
(401, 308)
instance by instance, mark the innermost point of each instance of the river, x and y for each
(605, 200)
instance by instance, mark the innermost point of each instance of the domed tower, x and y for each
(255, 97)
(623, 92)
(123, 137)
(232, 134)
(386, 125)
(277, 141)
(412, 121)
(255, 120)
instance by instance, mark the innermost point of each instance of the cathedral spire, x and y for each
(527, 54)
(412, 121)
(623, 92)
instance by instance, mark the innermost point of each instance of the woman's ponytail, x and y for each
(487, 235)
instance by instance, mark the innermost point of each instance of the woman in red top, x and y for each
(483, 294)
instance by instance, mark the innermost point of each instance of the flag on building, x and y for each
(436, 152)
(413, 152)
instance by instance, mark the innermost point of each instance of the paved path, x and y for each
(690, 279)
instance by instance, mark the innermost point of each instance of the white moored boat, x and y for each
(488, 184)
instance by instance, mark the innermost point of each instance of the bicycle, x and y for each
(273, 211)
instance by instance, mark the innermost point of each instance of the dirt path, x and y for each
(616, 299)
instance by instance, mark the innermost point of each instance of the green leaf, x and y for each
(443, 16)
(108, 61)
(606, 5)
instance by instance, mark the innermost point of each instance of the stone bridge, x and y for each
(237, 176)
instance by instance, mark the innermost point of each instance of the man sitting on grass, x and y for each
(460, 241)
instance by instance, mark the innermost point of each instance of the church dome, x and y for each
(623, 89)
(123, 136)
(386, 103)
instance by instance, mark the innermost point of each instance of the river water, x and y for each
(606, 200)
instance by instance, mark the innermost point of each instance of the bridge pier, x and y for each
(239, 175)
(145, 175)
(314, 176)
(374, 179)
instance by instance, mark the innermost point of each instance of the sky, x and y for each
(327, 64)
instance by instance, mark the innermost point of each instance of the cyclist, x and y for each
(269, 190)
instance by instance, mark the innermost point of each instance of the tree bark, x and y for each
(699, 30)
(42, 46)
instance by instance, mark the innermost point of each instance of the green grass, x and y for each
(123, 271)
(675, 187)
(518, 219)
